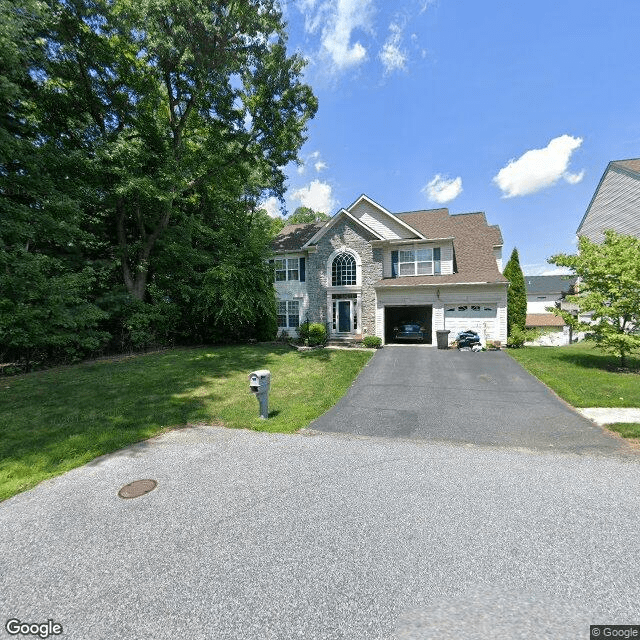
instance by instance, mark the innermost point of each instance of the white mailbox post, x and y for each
(259, 384)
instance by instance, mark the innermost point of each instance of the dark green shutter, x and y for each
(302, 271)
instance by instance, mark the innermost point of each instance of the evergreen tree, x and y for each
(516, 294)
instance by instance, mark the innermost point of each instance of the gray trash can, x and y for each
(443, 338)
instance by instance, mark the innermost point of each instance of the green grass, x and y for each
(52, 421)
(583, 375)
(626, 429)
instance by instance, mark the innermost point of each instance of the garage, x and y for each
(395, 317)
(479, 317)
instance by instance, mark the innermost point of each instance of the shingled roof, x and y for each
(544, 320)
(474, 241)
(631, 165)
(294, 236)
(549, 284)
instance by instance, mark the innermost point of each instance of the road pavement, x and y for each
(326, 536)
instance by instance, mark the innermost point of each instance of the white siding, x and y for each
(615, 206)
(490, 325)
(379, 221)
(497, 254)
(294, 290)
(446, 256)
(539, 303)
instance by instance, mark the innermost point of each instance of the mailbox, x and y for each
(260, 381)
(259, 385)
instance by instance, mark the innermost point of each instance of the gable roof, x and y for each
(343, 213)
(294, 236)
(549, 284)
(631, 165)
(473, 243)
(543, 320)
(393, 218)
(615, 202)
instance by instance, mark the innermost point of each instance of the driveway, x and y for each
(447, 395)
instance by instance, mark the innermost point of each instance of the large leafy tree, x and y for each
(608, 289)
(136, 137)
(179, 96)
(516, 294)
(305, 215)
(46, 275)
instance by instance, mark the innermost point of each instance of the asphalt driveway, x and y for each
(451, 396)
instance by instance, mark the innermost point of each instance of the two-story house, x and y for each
(366, 270)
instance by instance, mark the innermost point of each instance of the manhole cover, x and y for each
(137, 488)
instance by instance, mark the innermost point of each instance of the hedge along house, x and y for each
(367, 270)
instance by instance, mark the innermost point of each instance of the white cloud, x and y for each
(338, 19)
(543, 269)
(319, 164)
(539, 168)
(317, 196)
(442, 189)
(574, 178)
(393, 58)
(272, 207)
(424, 4)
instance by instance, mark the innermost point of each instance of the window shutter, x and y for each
(302, 270)
(394, 264)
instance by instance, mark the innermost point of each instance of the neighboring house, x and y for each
(367, 270)
(544, 292)
(615, 203)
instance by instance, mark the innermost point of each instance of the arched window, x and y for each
(343, 270)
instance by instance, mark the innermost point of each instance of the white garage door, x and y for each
(480, 318)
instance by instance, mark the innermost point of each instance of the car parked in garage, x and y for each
(409, 331)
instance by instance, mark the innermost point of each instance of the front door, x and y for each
(344, 316)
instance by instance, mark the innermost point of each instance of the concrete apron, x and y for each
(609, 416)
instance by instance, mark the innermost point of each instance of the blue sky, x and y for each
(511, 108)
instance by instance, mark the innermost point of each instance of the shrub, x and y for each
(372, 342)
(518, 337)
(312, 333)
(317, 334)
(303, 331)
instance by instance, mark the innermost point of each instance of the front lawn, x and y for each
(583, 375)
(52, 421)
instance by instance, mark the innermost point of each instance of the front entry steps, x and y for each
(352, 340)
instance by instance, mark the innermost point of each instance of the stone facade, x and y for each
(349, 236)
(460, 287)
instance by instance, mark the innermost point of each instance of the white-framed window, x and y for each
(288, 314)
(417, 261)
(287, 269)
(343, 270)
